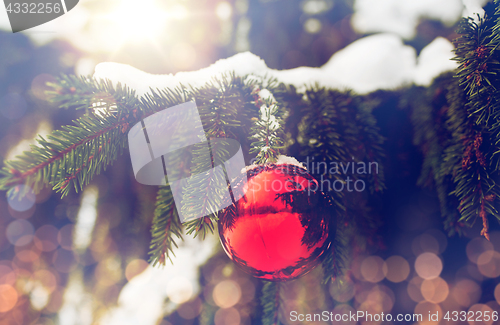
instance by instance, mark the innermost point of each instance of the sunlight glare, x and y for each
(139, 19)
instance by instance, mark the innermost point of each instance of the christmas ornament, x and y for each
(278, 230)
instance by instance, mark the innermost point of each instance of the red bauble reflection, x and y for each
(278, 230)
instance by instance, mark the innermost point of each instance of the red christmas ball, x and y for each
(280, 227)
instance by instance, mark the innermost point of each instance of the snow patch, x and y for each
(402, 16)
(265, 115)
(389, 64)
(266, 95)
(374, 62)
(473, 7)
(242, 64)
(142, 300)
(282, 160)
(434, 59)
(379, 61)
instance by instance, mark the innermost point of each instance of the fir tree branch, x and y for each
(225, 111)
(452, 159)
(71, 157)
(370, 143)
(165, 226)
(79, 92)
(268, 128)
(337, 128)
(336, 258)
(477, 52)
(271, 301)
(219, 104)
(434, 133)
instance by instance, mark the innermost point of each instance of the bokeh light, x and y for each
(488, 264)
(135, 267)
(227, 293)
(425, 309)
(190, 309)
(425, 243)
(466, 292)
(342, 289)
(8, 297)
(497, 293)
(413, 289)
(229, 316)
(476, 247)
(56, 300)
(372, 269)
(428, 265)
(7, 275)
(46, 238)
(39, 297)
(469, 270)
(356, 267)
(19, 232)
(64, 261)
(382, 296)
(396, 269)
(40, 85)
(108, 272)
(312, 26)
(478, 313)
(21, 198)
(27, 255)
(343, 309)
(65, 237)
(434, 290)
(223, 10)
(22, 214)
(45, 278)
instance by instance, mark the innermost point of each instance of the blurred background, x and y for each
(83, 259)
